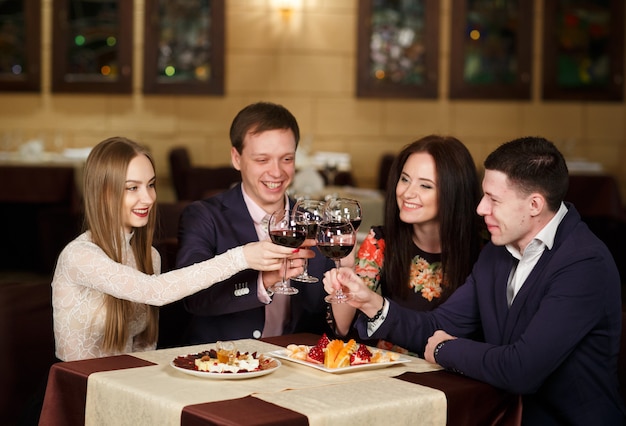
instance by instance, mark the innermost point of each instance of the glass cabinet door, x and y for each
(398, 49)
(20, 45)
(583, 50)
(92, 44)
(184, 47)
(490, 55)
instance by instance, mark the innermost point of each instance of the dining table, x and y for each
(144, 388)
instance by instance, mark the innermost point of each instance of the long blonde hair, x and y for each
(104, 184)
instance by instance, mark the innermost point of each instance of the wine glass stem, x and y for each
(339, 292)
(284, 283)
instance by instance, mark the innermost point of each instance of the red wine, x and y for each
(288, 238)
(335, 251)
(311, 230)
(355, 223)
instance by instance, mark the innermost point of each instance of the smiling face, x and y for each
(267, 165)
(139, 193)
(416, 190)
(508, 213)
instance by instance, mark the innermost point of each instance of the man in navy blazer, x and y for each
(544, 294)
(264, 139)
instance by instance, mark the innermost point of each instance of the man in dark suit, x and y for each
(264, 138)
(544, 294)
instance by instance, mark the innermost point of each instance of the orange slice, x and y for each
(343, 358)
(332, 350)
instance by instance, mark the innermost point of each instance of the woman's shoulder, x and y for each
(80, 241)
(81, 246)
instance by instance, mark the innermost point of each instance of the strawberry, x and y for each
(316, 355)
(361, 356)
(323, 342)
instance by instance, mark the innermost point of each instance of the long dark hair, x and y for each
(458, 196)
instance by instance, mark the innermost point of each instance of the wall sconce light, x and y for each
(287, 7)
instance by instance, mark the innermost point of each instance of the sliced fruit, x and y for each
(361, 356)
(332, 351)
(343, 358)
(323, 342)
(316, 355)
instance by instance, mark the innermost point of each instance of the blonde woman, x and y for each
(106, 287)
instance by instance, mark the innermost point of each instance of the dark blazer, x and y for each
(557, 344)
(231, 309)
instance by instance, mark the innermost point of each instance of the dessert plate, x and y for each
(283, 354)
(229, 376)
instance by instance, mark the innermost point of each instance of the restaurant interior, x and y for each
(316, 58)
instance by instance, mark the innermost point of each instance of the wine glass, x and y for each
(344, 209)
(310, 213)
(285, 231)
(336, 240)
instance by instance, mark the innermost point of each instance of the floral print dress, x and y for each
(426, 278)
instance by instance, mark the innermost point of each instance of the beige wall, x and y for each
(308, 64)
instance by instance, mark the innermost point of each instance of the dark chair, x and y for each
(384, 167)
(166, 232)
(27, 342)
(621, 366)
(342, 178)
(196, 182)
(203, 182)
(180, 163)
(173, 318)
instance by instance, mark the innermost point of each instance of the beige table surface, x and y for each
(157, 394)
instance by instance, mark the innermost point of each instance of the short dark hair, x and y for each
(532, 164)
(260, 117)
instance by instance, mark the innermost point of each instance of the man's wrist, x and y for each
(438, 348)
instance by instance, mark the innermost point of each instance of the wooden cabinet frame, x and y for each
(214, 85)
(63, 81)
(30, 80)
(368, 86)
(518, 89)
(613, 90)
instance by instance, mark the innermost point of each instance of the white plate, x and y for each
(228, 376)
(372, 366)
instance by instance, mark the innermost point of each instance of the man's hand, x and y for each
(438, 337)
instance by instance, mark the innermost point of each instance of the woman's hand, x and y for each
(364, 299)
(267, 256)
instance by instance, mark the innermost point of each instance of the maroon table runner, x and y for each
(248, 411)
(66, 392)
(465, 395)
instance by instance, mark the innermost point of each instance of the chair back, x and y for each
(180, 163)
(384, 167)
(621, 363)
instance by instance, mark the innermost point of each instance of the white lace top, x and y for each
(84, 273)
